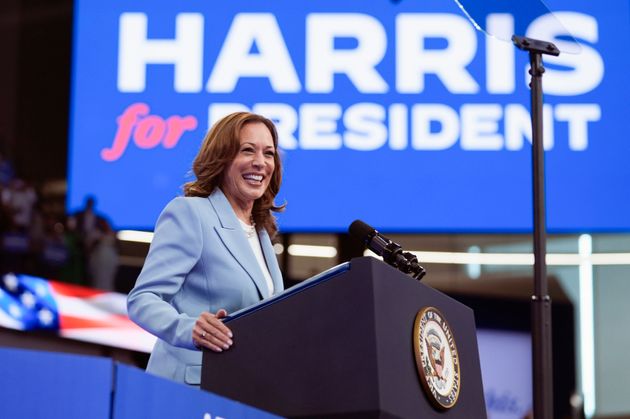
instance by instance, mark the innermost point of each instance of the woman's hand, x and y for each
(210, 332)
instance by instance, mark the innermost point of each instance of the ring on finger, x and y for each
(203, 334)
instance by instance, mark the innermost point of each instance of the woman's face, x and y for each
(249, 174)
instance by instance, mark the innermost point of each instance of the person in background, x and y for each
(73, 270)
(103, 257)
(21, 200)
(18, 200)
(85, 223)
(6, 171)
(211, 253)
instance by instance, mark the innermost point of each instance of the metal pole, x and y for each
(541, 302)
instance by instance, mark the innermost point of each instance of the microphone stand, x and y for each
(394, 255)
(541, 302)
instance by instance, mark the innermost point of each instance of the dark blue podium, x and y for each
(341, 345)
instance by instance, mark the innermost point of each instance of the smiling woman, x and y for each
(230, 141)
(212, 253)
(250, 172)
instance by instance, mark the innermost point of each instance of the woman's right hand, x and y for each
(210, 332)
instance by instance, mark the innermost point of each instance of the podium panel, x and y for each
(37, 384)
(344, 348)
(141, 395)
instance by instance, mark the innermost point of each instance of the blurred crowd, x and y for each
(78, 248)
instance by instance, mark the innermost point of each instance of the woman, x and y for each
(211, 253)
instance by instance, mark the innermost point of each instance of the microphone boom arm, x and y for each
(392, 253)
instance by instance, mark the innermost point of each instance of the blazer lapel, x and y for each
(272, 261)
(234, 239)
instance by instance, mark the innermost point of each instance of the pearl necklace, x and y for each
(250, 230)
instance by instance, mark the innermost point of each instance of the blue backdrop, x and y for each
(398, 113)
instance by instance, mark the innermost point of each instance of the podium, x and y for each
(343, 346)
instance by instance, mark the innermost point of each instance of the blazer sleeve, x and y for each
(174, 251)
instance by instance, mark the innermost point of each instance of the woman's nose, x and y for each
(259, 160)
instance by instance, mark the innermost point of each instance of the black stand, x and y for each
(541, 303)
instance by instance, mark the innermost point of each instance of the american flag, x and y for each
(31, 303)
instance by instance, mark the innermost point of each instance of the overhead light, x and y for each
(610, 258)
(135, 236)
(474, 269)
(278, 248)
(587, 328)
(312, 251)
(522, 259)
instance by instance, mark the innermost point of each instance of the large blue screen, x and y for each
(396, 112)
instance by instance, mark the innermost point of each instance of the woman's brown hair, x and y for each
(219, 148)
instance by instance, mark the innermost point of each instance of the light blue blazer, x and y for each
(199, 260)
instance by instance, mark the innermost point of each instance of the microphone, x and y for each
(390, 251)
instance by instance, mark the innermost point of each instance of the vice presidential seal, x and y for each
(437, 359)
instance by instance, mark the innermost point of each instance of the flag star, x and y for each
(40, 289)
(11, 282)
(15, 311)
(45, 316)
(28, 299)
